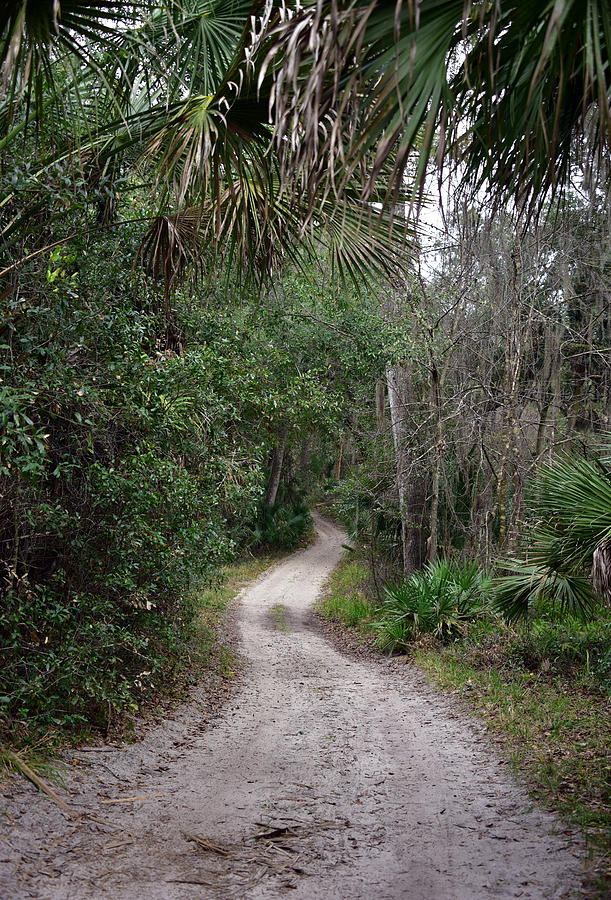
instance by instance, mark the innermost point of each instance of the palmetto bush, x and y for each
(283, 527)
(567, 548)
(441, 600)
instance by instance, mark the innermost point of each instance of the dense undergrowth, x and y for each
(205, 655)
(543, 686)
(284, 527)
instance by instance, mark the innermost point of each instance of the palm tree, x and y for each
(507, 91)
(163, 89)
(358, 91)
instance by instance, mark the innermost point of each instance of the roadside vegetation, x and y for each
(204, 657)
(137, 461)
(542, 685)
(210, 647)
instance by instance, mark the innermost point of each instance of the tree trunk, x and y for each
(275, 470)
(395, 378)
(415, 527)
(550, 361)
(304, 458)
(338, 464)
(380, 411)
(519, 329)
(601, 571)
(438, 379)
(410, 485)
(438, 449)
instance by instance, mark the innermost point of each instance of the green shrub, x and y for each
(284, 527)
(601, 669)
(77, 665)
(564, 646)
(117, 484)
(88, 635)
(570, 648)
(438, 600)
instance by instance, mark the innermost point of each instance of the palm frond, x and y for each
(171, 243)
(571, 499)
(196, 41)
(574, 496)
(167, 89)
(251, 224)
(33, 35)
(528, 583)
(505, 90)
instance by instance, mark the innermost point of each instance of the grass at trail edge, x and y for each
(550, 713)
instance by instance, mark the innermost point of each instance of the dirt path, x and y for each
(325, 778)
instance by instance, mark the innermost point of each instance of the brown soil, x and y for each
(324, 777)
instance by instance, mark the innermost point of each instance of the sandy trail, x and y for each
(326, 777)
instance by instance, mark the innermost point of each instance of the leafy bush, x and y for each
(78, 665)
(438, 600)
(117, 483)
(601, 669)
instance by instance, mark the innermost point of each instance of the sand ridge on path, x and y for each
(324, 777)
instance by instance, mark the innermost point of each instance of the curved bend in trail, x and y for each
(325, 778)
